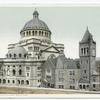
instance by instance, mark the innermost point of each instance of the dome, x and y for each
(36, 29)
(17, 52)
(19, 49)
(35, 23)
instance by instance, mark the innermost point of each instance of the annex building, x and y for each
(35, 61)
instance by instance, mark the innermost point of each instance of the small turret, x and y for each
(35, 14)
(87, 36)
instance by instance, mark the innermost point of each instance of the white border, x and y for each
(49, 3)
(49, 96)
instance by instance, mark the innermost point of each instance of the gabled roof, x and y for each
(62, 58)
(63, 62)
(87, 37)
(49, 63)
(51, 49)
(60, 62)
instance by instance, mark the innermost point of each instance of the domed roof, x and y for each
(35, 23)
(17, 50)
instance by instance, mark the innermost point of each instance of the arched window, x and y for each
(39, 33)
(0, 80)
(24, 55)
(83, 86)
(49, 35)
(94, 85)
(27, 82)
(84, 71)
(14, 55)
(73, 80)
(7, 55)
(87, 86)
(23, 34)
(20, 55)
(13, 81)
(8, 65)
(87, 50)
(20, 72)
(18, 81)
(82, 50)
(33, 33)
(42, 33)
(80, 86)
(14, 72)
(45, 34)
(52, 56)
(4, 81)
(29, 33)
(10, 55)
(73, 87)
(38, 56)
(70, 87)
(8, 81)
(22, 82)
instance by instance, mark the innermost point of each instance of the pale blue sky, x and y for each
(67, 24)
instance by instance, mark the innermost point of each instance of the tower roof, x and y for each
(87, 36)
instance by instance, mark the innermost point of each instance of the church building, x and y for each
(22, 64)
(36, 61)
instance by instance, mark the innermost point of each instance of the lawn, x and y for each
(24, 90)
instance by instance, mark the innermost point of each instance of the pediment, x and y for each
(51, 49)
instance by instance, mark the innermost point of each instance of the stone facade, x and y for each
(88, 68)
(62, 72)
(22, 65)
(35, 61)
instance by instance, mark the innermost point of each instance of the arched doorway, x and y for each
(80, 86)
(0, 80)
(18, 81)
(27, 82)
(22, 82)
(20, 72)
(84, 87)
(4, 81)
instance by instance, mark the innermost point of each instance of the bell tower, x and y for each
(87, 53)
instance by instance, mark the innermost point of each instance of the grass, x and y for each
(16, 90)
(22, 90)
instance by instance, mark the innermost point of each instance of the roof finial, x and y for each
(87, 28)
(35, 9)
(35, 14)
